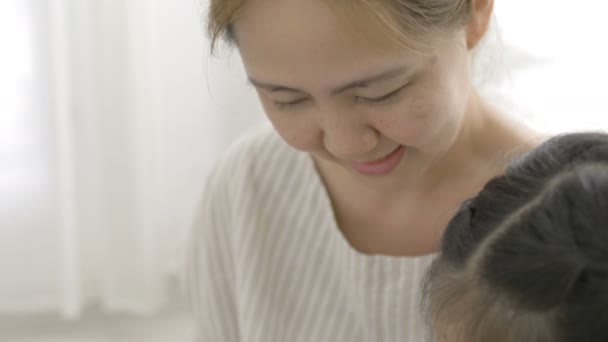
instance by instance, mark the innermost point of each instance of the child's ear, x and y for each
(479, 21)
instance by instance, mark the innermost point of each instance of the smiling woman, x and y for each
(319, 227)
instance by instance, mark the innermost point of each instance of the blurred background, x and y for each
(112, 112)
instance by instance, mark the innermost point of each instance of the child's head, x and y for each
(527, 258)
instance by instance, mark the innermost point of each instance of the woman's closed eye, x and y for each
(372, 100)
(288, 104)
(384, 98)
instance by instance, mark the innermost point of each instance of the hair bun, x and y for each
(596, 153)
(455, 244)
(551, 245)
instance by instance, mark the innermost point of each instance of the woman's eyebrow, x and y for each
(271, 87)
(362, 83)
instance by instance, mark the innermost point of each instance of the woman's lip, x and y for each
(383, 165)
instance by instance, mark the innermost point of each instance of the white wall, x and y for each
(564, 86)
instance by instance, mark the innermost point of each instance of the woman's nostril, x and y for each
(371, 138)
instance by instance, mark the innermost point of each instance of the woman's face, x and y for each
(369, 110)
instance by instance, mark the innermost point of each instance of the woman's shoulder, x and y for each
(257, 142)
(254, 181)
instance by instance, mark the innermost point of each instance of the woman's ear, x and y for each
(479, 21)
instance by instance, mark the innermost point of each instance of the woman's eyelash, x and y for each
(284, 105)
(383, 97)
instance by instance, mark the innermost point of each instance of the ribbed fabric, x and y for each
(268, 263)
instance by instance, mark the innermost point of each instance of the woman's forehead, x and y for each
(275, 25)
(301, 43)
(315, 26)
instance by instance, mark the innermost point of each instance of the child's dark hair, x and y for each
(527, 258)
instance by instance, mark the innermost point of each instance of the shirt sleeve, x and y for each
(209, 268)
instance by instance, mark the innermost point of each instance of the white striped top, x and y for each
(268, 263)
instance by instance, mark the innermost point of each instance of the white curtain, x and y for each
(555, 55)
(108, 124)
(111, 112)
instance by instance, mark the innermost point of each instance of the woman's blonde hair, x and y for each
(403, 22)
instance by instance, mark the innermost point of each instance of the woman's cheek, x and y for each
(297, 129)
(407, 123)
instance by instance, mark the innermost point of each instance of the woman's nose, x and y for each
(347, 136)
